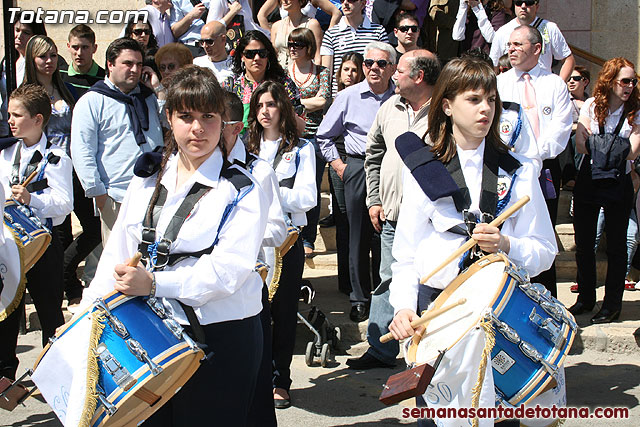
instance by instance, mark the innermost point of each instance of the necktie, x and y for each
(531, 106)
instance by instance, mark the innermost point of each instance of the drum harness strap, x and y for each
(438, 180)
(157, 253)
(39, 184)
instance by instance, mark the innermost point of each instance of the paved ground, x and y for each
(338, 396)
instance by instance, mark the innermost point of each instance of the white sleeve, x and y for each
(413, 226)
(554, 136)
(497, 47)
(486, 29)
(217, 10)
(303, 196)
(559, 46)
(276, 231)
(457, 33)
(57, 200)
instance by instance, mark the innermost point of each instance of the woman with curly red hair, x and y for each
(613, 109)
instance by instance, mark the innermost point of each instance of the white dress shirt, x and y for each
(554, 44)
(422, 241)
(262, 171)
(56, 201)
(220, 286)
(300, 162)
(554, 110)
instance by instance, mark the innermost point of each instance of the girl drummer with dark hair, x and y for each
(463, 135)
(215, 280)
(465, 178)
(273, 136)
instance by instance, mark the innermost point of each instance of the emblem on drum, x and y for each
(546, 111)
(504, 183)
(505, 127)
(502, 362)
(287, 157)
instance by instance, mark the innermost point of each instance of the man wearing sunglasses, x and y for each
(213, 39)
(542, 103)
(406, 31)
(350, 117)
(554, 45)
(352, 34)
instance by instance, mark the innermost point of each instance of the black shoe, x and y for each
(327, 221)
(282, 403)
(580, 308)
(359, 312)
(367, 361)
(605, 316)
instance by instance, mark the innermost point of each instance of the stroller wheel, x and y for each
(325, 354)
(309, 353)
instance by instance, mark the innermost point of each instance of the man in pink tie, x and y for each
(543, 117)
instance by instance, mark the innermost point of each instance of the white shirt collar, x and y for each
(238, 152)
(471, 157)
(343, 24)
(207, 174)
(534, 72)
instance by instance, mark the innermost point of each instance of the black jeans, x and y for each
(363, 239)
(342, 230)
(585, 219)
(284, 309)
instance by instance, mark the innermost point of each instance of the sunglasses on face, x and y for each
(527, 3)
(207, 42)
(576, 78)
(251, 53)
(140, 31)
(381, 63)
(349, 1)
(628, 82)
(296, 45)
(406, 28)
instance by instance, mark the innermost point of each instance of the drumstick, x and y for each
(29, 178)
(135, 259)
(429, 315)
(472, 242)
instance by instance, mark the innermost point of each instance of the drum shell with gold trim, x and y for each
(28, 232)
(495, 283)
(178, 359)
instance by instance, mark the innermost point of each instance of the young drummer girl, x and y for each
(475, 175)
(221, 286)
(463, 129)
(273, 136)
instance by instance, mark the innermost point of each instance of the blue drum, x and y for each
(143, 358)
(28, 232)
(533, 330)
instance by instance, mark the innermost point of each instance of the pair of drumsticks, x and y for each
(431, 314)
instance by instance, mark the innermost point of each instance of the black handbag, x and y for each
(608, 154)
(602, 177)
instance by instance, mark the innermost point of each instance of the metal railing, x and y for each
(587, 55)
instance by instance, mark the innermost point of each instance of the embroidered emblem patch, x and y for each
(506, 127)
(287, 157)
(231, 34)
(504, 182)
(546, 111)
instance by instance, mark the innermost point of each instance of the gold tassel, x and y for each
(93, 370)
(275, 280)
(23, 277)
(490, 340)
